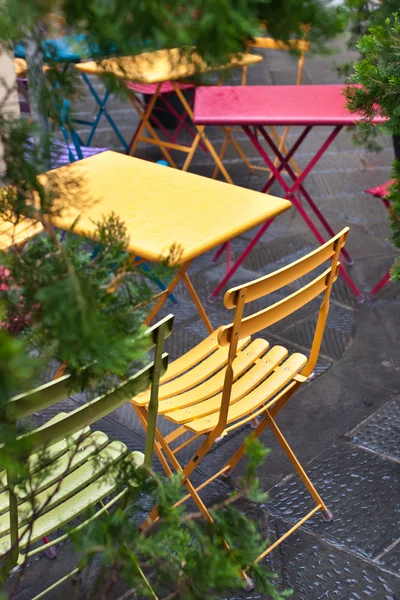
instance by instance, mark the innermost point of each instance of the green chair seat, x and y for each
(88, 471)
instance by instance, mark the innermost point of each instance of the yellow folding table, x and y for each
(156, 69)
(162, 209)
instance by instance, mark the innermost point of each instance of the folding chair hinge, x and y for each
(300, 378)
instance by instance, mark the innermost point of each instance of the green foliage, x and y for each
(364, 14)
(15, 365)
(215, 27)
(395, 216)
(256, 454)
(361, 15)
(377, 77)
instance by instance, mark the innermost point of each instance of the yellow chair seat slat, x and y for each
(192, 357)
(75, 505)
(212, 385)
(243, 386)
(210, 365)
(264, 392)
(71, 484)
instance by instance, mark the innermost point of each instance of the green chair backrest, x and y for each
(59, 389)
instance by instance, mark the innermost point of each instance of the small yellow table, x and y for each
(161, 208)
(157, 69)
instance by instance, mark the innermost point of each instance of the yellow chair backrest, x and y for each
(268, 43)
(236, 298)
(17, 234)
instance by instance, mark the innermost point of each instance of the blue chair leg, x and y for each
(158, 282)
(102, 110)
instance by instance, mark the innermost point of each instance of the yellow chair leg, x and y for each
(221, 155)
(144, 118)
(192, 493)
(327, 515)
(230, 138)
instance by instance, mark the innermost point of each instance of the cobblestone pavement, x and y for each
(345, 425)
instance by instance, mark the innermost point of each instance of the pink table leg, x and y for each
(220, 251)
(181, 122)
(275, 175)
(290, 194)
(270, 180)
(381, 283)
(239, 261)
(382, 192)
(284, 162)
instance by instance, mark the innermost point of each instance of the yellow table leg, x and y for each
(145, 123)
(181, 274)
(200, 135)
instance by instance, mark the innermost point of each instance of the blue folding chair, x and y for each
(69, 50)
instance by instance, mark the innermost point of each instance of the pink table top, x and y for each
(273, 105)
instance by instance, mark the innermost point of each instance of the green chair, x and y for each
(80, 466)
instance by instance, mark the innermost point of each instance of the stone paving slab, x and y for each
(381, 432)
(391, 559)
(359, 487)
(316, 570)
(374, 357)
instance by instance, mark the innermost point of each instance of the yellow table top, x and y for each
(160, 66)
(160, 206)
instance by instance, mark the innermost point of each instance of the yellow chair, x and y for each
(17, 234)
(266, 43)
(229, 378)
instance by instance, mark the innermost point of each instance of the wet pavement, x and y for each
(344, 426)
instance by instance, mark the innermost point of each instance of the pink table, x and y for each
(255, 108)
